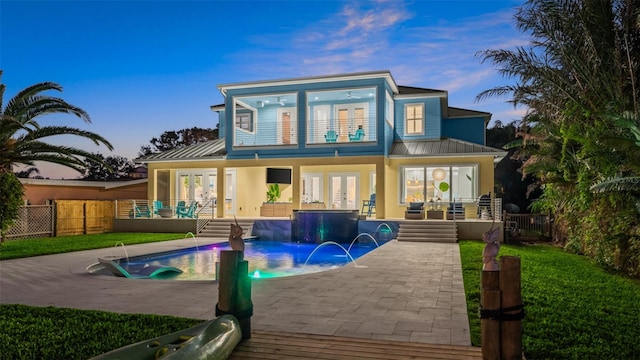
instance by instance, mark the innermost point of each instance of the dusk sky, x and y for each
(140, 68)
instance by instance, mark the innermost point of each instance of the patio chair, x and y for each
(358, 136)
(142, 211)
(189, 212)
(455, 211)
(180, 206)
(369, 205)
(141, 272)
(157, 205)
(415, 211)
(331, 136)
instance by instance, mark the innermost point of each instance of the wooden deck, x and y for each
(282, 345)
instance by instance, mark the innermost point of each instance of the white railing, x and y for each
(329, 131)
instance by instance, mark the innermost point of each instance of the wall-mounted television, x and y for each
(278, 176)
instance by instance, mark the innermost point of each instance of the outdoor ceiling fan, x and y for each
(350, 96)
(280, 101)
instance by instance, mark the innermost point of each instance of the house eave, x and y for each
(316, 79)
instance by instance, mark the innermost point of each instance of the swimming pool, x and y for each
(267, 259)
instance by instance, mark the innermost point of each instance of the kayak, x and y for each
(211, 340)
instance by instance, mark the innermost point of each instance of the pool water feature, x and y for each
(267, 259)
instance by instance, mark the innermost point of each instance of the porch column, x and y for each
(220, 200)
(295, 186)
(380, 185)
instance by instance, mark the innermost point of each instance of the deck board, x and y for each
(283, 345)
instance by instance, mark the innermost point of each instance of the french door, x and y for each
(197, 185)
(344, 190)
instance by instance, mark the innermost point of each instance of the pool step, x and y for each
(220, 228)
(441, 231)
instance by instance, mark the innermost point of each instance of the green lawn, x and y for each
(15, 249)
(55, 333)
(574, 309)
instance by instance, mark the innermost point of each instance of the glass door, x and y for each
(199, 186)
(344, 190)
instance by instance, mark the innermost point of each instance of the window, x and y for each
(312, 188)
(443, 182)
(414, 119)
(244, 121)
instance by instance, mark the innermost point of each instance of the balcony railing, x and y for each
(327, 131)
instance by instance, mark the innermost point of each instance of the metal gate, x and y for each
(527, 226)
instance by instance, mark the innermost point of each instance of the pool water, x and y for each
(267, 259)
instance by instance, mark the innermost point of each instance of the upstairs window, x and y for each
(414, 119)
(244, 121)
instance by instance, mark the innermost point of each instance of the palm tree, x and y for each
(579, 73)
(21, 141)
(21, 136)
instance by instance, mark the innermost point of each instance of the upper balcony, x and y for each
(345, 116)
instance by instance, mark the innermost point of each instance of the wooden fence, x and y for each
(75, 217)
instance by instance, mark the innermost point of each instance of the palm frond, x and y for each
(629, 183)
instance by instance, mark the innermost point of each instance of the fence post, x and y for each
(489, 321)
(512, 309)
(234, 289)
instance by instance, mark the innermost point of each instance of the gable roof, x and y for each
(442, 147)
(213, 149)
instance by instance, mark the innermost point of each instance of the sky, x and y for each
(140, 68)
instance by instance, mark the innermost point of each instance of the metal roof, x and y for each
(214, 149)
(442, 147)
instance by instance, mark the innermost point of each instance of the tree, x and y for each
(11, 193)
(21, 138)
(21, 134)
(579, 73)
(110, 168)
(510, 185)
(176, 139)
(28, 173)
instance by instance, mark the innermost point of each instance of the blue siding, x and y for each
(470, 129)
(301, 149)
(432, 114)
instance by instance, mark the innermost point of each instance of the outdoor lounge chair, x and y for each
(142, 211)
(455, 211)
(415, 211)
(358, 136)
(331, 136)
(189, 212)
(369, 206)
(142, 272)
(157, 205)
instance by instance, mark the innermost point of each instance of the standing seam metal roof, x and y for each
(440, 147)
(206, 150)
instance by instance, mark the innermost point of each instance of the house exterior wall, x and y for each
(432, 118)
(40, 194)
(386, 112)
(395, 207)
(470, 129)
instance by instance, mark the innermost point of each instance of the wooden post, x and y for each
(490, 327)
(227, 281)
(511, 326)
(244, 305)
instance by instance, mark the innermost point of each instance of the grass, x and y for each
(574, 309)
(15, 249)
(57, 333)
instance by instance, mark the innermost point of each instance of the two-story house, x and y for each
(330, 142)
